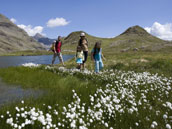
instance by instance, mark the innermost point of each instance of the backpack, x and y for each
(52, 47)
(80, 42)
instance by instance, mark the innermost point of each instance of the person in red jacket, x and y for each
(57, 51)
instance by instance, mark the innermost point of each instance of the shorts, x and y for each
(79, 61)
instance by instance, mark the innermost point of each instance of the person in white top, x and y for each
(79, 57)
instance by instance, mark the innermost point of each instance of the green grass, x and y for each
(154, 62)
(59, 86)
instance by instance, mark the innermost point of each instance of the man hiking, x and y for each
(57, 51)
(84, 45)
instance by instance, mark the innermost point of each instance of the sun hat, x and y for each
(82, 34)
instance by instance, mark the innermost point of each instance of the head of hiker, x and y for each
(79, 49)
(98, 45)
(59, 38)
(82, 36)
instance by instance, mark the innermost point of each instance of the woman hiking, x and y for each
(84, 45)
(57, 51)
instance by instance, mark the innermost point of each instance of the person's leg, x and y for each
(96, 66)
(80, 65)
(85, 58)
(61, 58)
(54, 57)
(101, 65)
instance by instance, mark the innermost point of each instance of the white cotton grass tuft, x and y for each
(168, 126)
(30, 65)
(116, 97)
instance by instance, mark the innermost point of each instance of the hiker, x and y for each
(57, 51)
(79, 57)
(84, 45)
(96, 56)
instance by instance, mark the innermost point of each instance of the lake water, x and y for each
(12, 93)
(6, 61)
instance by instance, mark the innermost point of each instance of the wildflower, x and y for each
(165, 116)
(168, 126)
(137, 124)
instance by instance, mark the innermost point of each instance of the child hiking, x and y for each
(96, 56)
(57, 51)
(79, 57)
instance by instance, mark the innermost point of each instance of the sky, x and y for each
(101, 18)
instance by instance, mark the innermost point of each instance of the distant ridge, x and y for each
(42, 39)
(38, 36)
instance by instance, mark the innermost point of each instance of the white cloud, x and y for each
(57, 22)
(31, 30)
(160, 30)
(13, 20)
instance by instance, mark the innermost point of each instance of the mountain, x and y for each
(42, 39)
(70, 42)
(13, 38)
(138, 38)
(135, 38)
(38, 36)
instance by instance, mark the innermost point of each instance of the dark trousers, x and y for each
(85, 56)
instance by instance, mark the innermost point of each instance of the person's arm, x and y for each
(92, 56)
(76, 56)
(103, 57)
(87, 43)
(55, 48)
(79, 43)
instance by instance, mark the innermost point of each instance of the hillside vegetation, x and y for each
(133, 39)
(13, 39)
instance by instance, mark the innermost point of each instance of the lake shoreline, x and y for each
(36, 53)
(7, 61)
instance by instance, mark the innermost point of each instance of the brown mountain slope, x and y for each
(12, 38)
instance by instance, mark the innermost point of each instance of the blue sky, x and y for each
(102, 18)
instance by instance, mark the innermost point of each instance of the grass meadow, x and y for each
(134, 91)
